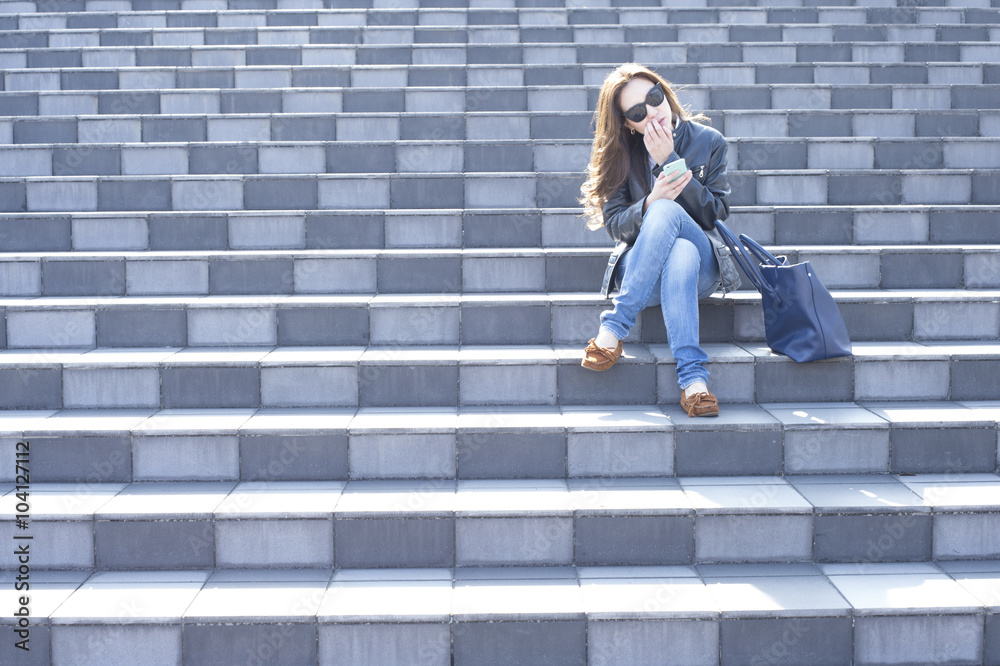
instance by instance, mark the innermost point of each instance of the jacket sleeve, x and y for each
(708, 201)
(623, 218)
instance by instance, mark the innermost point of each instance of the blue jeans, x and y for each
(671, 263)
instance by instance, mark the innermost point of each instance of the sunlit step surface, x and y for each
(707, 614)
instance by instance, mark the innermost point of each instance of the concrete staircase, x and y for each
(294, 294)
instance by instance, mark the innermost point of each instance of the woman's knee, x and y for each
(664, 209)
(662, 220)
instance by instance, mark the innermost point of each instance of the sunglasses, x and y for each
(654, 97)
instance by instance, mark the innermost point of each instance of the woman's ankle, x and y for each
(606, 338)
(695, 387)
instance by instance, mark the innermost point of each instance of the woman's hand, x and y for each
(668, 190)
(659, 141)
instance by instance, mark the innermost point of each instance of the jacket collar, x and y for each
(681, 132)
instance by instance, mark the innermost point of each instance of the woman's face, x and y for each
(634, 92)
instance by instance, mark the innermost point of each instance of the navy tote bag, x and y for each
(801, 319)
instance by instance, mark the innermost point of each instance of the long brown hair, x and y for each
(616, 150)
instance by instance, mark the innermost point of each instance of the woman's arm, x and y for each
(708, 201)
(623, 218)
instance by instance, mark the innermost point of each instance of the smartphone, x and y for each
(675, 170)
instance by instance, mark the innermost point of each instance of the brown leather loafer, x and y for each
(700, 404)
(600, 358)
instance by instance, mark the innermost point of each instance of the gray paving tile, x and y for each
(496, 324)
(341, 325)
(110, 387)
(91, 459)
(900, 380)
(39, 640)
(900, 268)
(222, 159)
(181, 544)
(798, 640)
(514, 541)
(945, 124)
(40, 389)
(501, 384)
(141, 328)
(86, 161)
(632, 383)
(34, 329)
(748, 538)
(388, 644)
(173, 129)
(345, 231)
(973, 380)
(520, 642)
(409, 542)
(63, 544)
(417, 455)
(257, 276)
(417, 386)
(293, 457)
(51, 233)
(251, 543)
(218, 387)
(292, 193)
(116, 645)
(624, 454)
(880, 639)
(835, 450)
(39, 131)
(889, 538)
(83, 278)
(649, 641)
(511, 455)
(794, 227)
(181, 458)
(728, 452)
(634, 540)
(22, 278)
(418, 274)
(188, 232)
(921, 450)
(284, 643)
(965, 536)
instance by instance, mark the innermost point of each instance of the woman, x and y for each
(668, 250)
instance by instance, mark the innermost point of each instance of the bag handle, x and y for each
(741, 256)
(758, 250)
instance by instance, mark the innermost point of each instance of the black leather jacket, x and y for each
(705, 198)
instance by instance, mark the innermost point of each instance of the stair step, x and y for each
(467, 319)
(106, 446)
(94, 60)
(496, 98)
(451, 376)
(23, 124)
(704, 614)
(77, 16)
(267, 157)
(458, 228)
(448, 271)
(919, 48)
(224, 192)
(541, 522)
